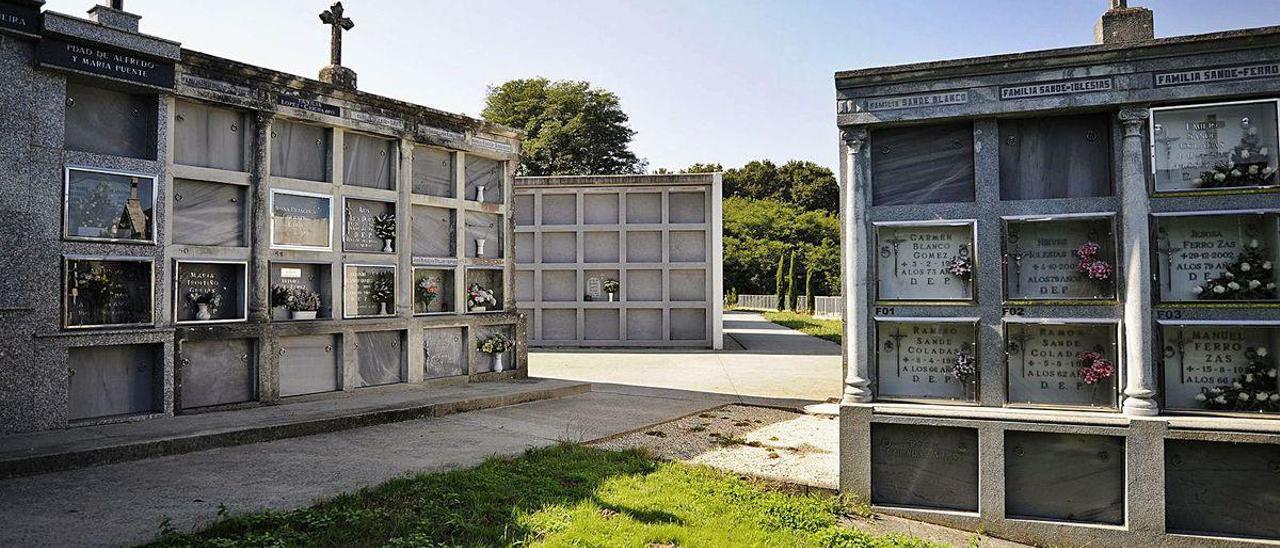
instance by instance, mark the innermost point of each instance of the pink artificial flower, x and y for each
(1087, 250)
(1099, 270)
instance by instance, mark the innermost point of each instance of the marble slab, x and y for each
(487, 227)
(559, 209)
(688, 324)
(308, 364)
(434, 231)
(378, 358)
(1067, 477)
(196, 281)
(113, 380)
(644, 246)
(110, 122)
(209, 136)
(914, 360)
(1055, 157)
(299, 151)
(445, 352)
(912, 261)
(369, 161)
(644, 207)
(644, 324)
(1044, 364)
(922, 164)
(484, 172)
(358, 232)
(601, 324)
(600, 208)
(434, 172)
(931, 467)
(1219, 488)
(600, 247)
(211, 214)
(687, 207)
(1042, 263)
(217, 373)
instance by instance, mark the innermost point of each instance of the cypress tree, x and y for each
(791, 282)
(777, 282)
(808, 287)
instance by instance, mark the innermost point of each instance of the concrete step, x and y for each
(42, 452)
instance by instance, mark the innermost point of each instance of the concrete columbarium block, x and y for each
(361, 222)
(1204, 257)
(924, 466)
(1055, 157)
(600, 208)
(644, 324)
(110, 122)
(1222, 489)
(523, 285)
(434, 230)
(486, 173)
(211, 214)
(1204, 362)
(1062, 364)
(433, 290)
(688, 324)
(309, 364)
(368, 290)
(108, 381)
(107, 292)
(378, 358)
(600, 247)
(301, 220)
(288, 279)
(299, 151)
(482, 362)
(559, 247)
(209, 136)
(524, 248)
(644, 285)
(687, 246)
(445, 352)
(1231, 145)
(644, 208)
(368, 161)
(210, 292)
(484, 235)
(601, 325)
(1068, 477)
(1060, 259)
(559, 209)
(434, 172)
(104, 205)
(559, 324)
(217, 373)
(923, 360)
(923, 165)
(523, 210)
(559, 285)
(687, 207)
(644, 247)
(688, 285)
(925, 262)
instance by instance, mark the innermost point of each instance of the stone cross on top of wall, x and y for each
(335, 73)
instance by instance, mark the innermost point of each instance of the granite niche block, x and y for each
(600, 208)
(559, 324)
(1066, 477)
(559, 247)
(211, 214)
(644, 208)
(687, 207)
(644, 246)
(600, 247)
(445, 352)
(644, 324)
(378, 358)
(209, 136)
(216, 373)
(1222, 488)
(559, 209)
(688, 324)
(116, 380)
(433, 172)
(933, 467)
(309, 364)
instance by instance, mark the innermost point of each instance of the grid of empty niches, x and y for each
(628, 266)
(1012, 299)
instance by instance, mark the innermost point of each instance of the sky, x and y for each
(710, 81)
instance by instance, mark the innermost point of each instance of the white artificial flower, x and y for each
(1248, 377)
(1234, 286)
(1244, 154)
(1235, 173)
(1219, 177)
(1215, 390)
(1272, 373)
(1271, 285)
(1254, 284)
(1266, 265)
(1274, 398)
(1263, 151)
(1229, 274)
(1261, 351)
(1245, 267)
(1236, 385)
(1197, 290)
(1262, 396)
(1201, 397)
(1253, 170)
(1244, 396)
(1266, 170)
(1220, 399)
(1219, 289)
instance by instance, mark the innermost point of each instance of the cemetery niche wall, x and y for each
(620, 260)
(1062, 310)
(220, 235)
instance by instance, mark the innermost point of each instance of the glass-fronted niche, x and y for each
(1215, 146)
(300, 291)
(484, 289)
(370, 226)
(211, 291)
(927, 359)
(368, 290)
(433, 290)
(1057, 364)
(922, 164)
(1071, 258)
(301, 220)
(112, 206)
(925, 262)
(107, 292)
(1218, 257)
(1220, 367)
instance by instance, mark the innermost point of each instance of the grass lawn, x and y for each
(566, 495)
(823, 329)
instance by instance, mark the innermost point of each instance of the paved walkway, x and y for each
(761, 360)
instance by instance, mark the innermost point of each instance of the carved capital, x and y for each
(854, 138)
(1133, 118)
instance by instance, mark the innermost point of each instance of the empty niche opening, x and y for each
(523, 210)
(378, 358)
(644, 285)
(299, 151)
(922, 164)
(644, 208)
(924, 466)
(444, 352)
(369, 226)
(688, 246)
(110, 122)
(644, 247)
(559, 247)
(301, 291)
(484, 289)
(484, 179)
(523, 286)
(687, 207)
(212, 214)
(600, 208)
(368, 161)
(1221, 488)
(111, 381)
(485, 362)
(434, 173)
(644, 324)
(216, 372)
(601, 325)
(559, 324)
(559, 209)
(600, 247)
(595, 285)
(209, 136)
(524, 247)
(434, 232)
(688, 324)
(1064, 477)
(432, 290)
(688, 285)
(484, 235)
(308, 364)
(559, 285)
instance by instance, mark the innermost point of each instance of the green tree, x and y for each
(791, 282)
(757, 232)
(777, 285)
(810, 186)
(808, 289)
(703, 168)
(570, 127)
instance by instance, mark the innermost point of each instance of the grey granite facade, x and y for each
(201, 134)
(1063, 456)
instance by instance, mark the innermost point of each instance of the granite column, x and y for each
(857, 383)
(260, 229)
(1139, 387)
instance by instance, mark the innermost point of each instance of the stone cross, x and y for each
(333, 17)
(1119, 4)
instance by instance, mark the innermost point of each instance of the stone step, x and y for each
(42, 452)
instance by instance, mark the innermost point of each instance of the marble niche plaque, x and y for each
(109, 206)
(213, 214)
(1222, 489)
(1055, 364)
(107, 292)
(299, 151)
(1069, 259)
(917, 360)
(484, 179)
(294, 276)
(1067, 477)
(210, 292)
(434, 233)
(445, 353)
(916, 263)
(378, 358)
(924, 466)
(432, 290)
(484, 235)
(1202, 362)
(110, 381)
(300, 221)
(1229, 145)
(360, 227)
(368, 161)
(1203, 257)
(368, 290)
(433, 172)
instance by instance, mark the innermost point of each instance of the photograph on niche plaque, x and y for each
(432, 290)
(925, 262)
(1218, 257)
(211, 291)
(1220, 367)
(1066, 259)
(300, 220)
(929, 359)
(1062, 364)
(1215, 146)
(111, 206)
(107, 292)
(370, 226)
(368, 290)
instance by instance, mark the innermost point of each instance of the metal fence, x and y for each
(823, 307)
(828, 307)
(757, 302)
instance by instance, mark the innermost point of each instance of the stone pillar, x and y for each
(857, 385)
(260, 224)
(1139, 388)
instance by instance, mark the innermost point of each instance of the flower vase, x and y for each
(382, 309)
(497, 362)
(202, 312)
(480, 247)
(386, 246)
(480, 193)
(611, 297)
